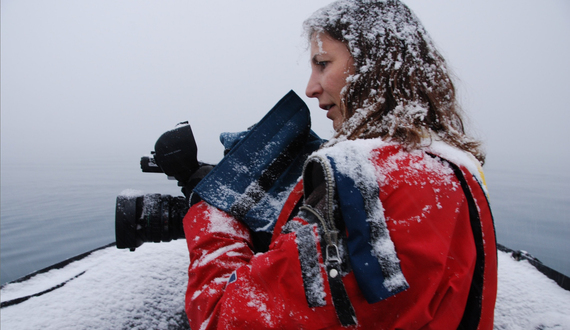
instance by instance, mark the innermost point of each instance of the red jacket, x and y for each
(428, 217)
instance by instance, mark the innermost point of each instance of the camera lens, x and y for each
(148, 218)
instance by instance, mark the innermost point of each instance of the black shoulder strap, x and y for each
(319, 211)
(472, 313)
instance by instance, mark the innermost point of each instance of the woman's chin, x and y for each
(337, 124)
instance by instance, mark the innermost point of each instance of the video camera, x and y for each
(251, 183)
(154, 217)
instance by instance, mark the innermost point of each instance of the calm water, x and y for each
(532, 213)
(52, 212)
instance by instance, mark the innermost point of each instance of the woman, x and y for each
(389, 227)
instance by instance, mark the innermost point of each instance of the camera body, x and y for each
(157, 218)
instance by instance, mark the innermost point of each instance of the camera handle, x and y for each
(195, 178)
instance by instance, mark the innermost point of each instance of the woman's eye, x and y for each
(322, 64)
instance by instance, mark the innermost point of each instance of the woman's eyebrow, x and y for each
(314, 59)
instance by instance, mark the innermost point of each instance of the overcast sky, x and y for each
(104, 78)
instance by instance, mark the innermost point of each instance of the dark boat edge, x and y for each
(562, 280)
(59, 265)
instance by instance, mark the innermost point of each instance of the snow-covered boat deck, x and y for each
(117, 289)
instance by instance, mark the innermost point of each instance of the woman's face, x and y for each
(331, 64)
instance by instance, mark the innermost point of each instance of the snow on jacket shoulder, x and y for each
(428, 219)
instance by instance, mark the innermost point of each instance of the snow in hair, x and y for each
(401, 88)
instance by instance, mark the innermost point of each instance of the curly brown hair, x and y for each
(401, 89)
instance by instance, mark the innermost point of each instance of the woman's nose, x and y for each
(314, 88)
